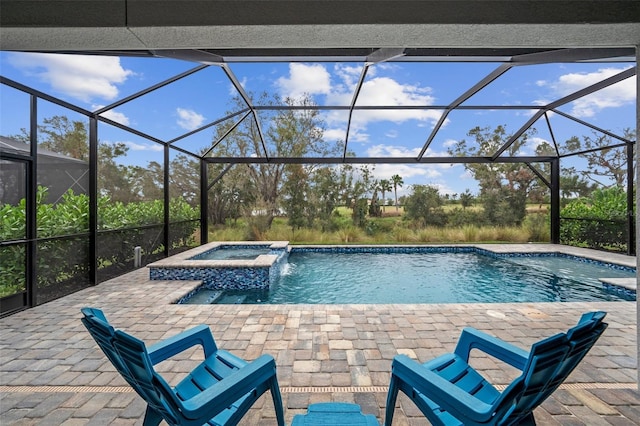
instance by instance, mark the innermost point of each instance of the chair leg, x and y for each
(527, 421)
(392, 396)
(151, 417)
(277, 401)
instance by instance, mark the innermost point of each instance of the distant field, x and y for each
(391, 210)
(538, 208)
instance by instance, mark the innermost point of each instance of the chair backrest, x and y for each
(543, 362)
(152, 387)
(581, 339)
(550, 363)
(102, 332)
(105, 335)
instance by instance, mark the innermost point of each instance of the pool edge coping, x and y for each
(184, 259)
(505, 249)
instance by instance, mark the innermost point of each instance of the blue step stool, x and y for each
(334, 414)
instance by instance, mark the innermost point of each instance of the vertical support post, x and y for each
(555, 201)
(637, 207)
(93, 200)
(631, 221)
(167, 200)
(31, 207)
(204, 203)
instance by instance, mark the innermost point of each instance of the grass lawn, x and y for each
(391, 228)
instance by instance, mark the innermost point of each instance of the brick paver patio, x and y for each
(52, 373)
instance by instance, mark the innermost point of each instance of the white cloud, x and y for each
(315, 79)
(304, 79)
(113, 115)
(155, 147)
(79, 76)
(384, 91)
(443, 188)
(620, 94)
(349, 74)
(530, 147)
(356, 134)
(116, 116)
(536, 141)
(189, 119)
(407, 171)
(334, 134)
(392, 151)
(392, 134)
(467, 175)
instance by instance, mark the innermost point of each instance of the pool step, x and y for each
(623, 287)
(205, 297)
(231, 299)
(628, 283)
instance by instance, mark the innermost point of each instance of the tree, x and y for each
(502, 185)
(602, 164)
(344, 182)
(502, 207)
(69, 137)
(295, 133)
(184, 179)
(574, 186)
(424, 205)
(397, 181)
(61, 135)
(361, 185)
(114, 180)
(232, 194)
(374, 205)
(466, 199)
(325, 194)
(385, 186)
(296, 201)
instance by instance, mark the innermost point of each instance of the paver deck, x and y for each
(52, 373)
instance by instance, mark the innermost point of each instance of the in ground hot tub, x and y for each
(225, 266)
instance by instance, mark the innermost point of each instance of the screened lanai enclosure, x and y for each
(89, 192)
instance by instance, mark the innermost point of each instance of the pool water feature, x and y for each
(430, 275)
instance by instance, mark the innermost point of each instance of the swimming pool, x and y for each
(460, 275)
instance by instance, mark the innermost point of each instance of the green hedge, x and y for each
(63, 260)
(598, 221)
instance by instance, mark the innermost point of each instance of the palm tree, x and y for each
(397, 181)
(466, 199)
(384, 186)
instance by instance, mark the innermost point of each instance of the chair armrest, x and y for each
(504, 351)
(462, 405)
(215, 399)
(199, 335)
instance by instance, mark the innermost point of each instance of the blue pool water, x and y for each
(229, 252)
(370, 278)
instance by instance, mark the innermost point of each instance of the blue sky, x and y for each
(92, 82)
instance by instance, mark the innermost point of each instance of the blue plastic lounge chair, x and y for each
(334, 414)
(218, 392)
(449, 392)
